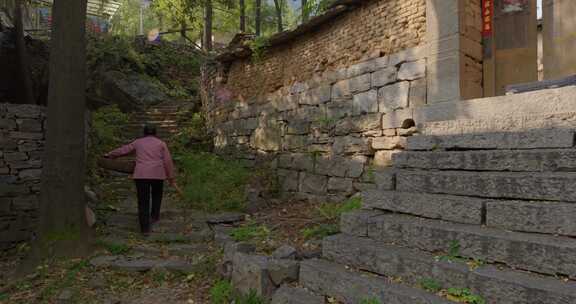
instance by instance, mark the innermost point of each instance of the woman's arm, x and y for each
(122, 151)
(168, 164)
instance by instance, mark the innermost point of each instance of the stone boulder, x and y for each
(130, 91)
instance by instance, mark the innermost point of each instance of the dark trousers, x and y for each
(149, 191)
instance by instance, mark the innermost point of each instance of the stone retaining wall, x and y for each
(329, 136)
(21, 149)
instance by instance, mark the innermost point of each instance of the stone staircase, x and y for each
(488, 209)
(166, 117)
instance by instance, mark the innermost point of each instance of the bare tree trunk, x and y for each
(278, 5)
(305, 11)
(208, 25)
(242, 16)
(258, 18)
(63, 230)
(27, 87)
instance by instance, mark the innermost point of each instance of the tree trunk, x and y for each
(258, 18)
(27, 87)
(63, 230)
(278, 5)
(305, 11)
(242, 16)
(208, 25)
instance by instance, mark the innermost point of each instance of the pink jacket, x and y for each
(153, 159)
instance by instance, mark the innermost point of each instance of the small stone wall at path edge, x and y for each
(21, 149)
(333, 135)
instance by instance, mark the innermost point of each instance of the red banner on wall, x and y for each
(487, 16)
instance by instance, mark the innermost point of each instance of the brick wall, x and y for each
(21, 149)
(376, 28)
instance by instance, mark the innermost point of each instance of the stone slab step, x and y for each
(352, 287)
(130, 264)
(534, 139)
(193, 237)
(459, 209)
(548, 160)
(508, 185)
(413, 267)
(533, 252)
(295, 295)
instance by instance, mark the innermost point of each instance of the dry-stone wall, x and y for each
(329, 137)
(21, 150)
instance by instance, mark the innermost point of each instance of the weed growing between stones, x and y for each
(259, 46)
(113, 248)
(252, 232)
(464, 295)
(330, 214)
(370, 301)
(430, 285)
(453, 253)
(223, 293)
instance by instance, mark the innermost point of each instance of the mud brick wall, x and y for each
(375, 28)
(331, 136)
(21, 149)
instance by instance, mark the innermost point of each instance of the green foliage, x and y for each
(250, 232)
(320, 231)
(212, 183)
(317, 7)
(333, 211)
(431, 285)
(464, 295)
(68, 279)
(250, 298)
(259, 46)
(453, 253)
(190, 138)
(370, 301)
(221, 293)
(105, 134)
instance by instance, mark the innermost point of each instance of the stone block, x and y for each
(412, 266)
(11, 157)
(26, 135)
(295, 142)
(28, 146)
(303, 162)
(339, 109)
(285, 252)
(348, 286)
(283, 271)
(383, 159)
(364, 103)
(535, 139)
(385, 179)
(361, 187)
(360, 83)
(396, 119)
(412, 70)
(29, 125)
(30, 174)
(411, 54)
(250, 273)
(7, 124)
(533, 252)
(393, 97)
(26, 164)
(295, 295)
(513, 185)
(288, 180)
(384, 77)
(5, 205)
(338, 184)
(267, 138)
(331, 166)
(345, 89)
(298, 127)
(359, 124)
(13, 190)
(315, 96)
(443, 77)
(351, 145)
(355, 166)
(24, 111)
(25, 203)
(548, 160)
(532, 216)
(418, 93)
(314, 184)
(366, 67)
(388, 143)
(459, 209)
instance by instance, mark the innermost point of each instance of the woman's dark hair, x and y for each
(149, 130)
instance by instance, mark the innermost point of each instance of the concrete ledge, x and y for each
(349, 286)
(539, 253)
(412, 266)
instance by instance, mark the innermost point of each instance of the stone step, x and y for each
(508, 185)
(141, 264)
(533, 252)
(414, 267)
(459, 209)
(349, 286)
(295, 295)
(534, 139)
(548, 160)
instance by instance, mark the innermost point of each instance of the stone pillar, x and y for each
(559, 38)
(455, 50)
